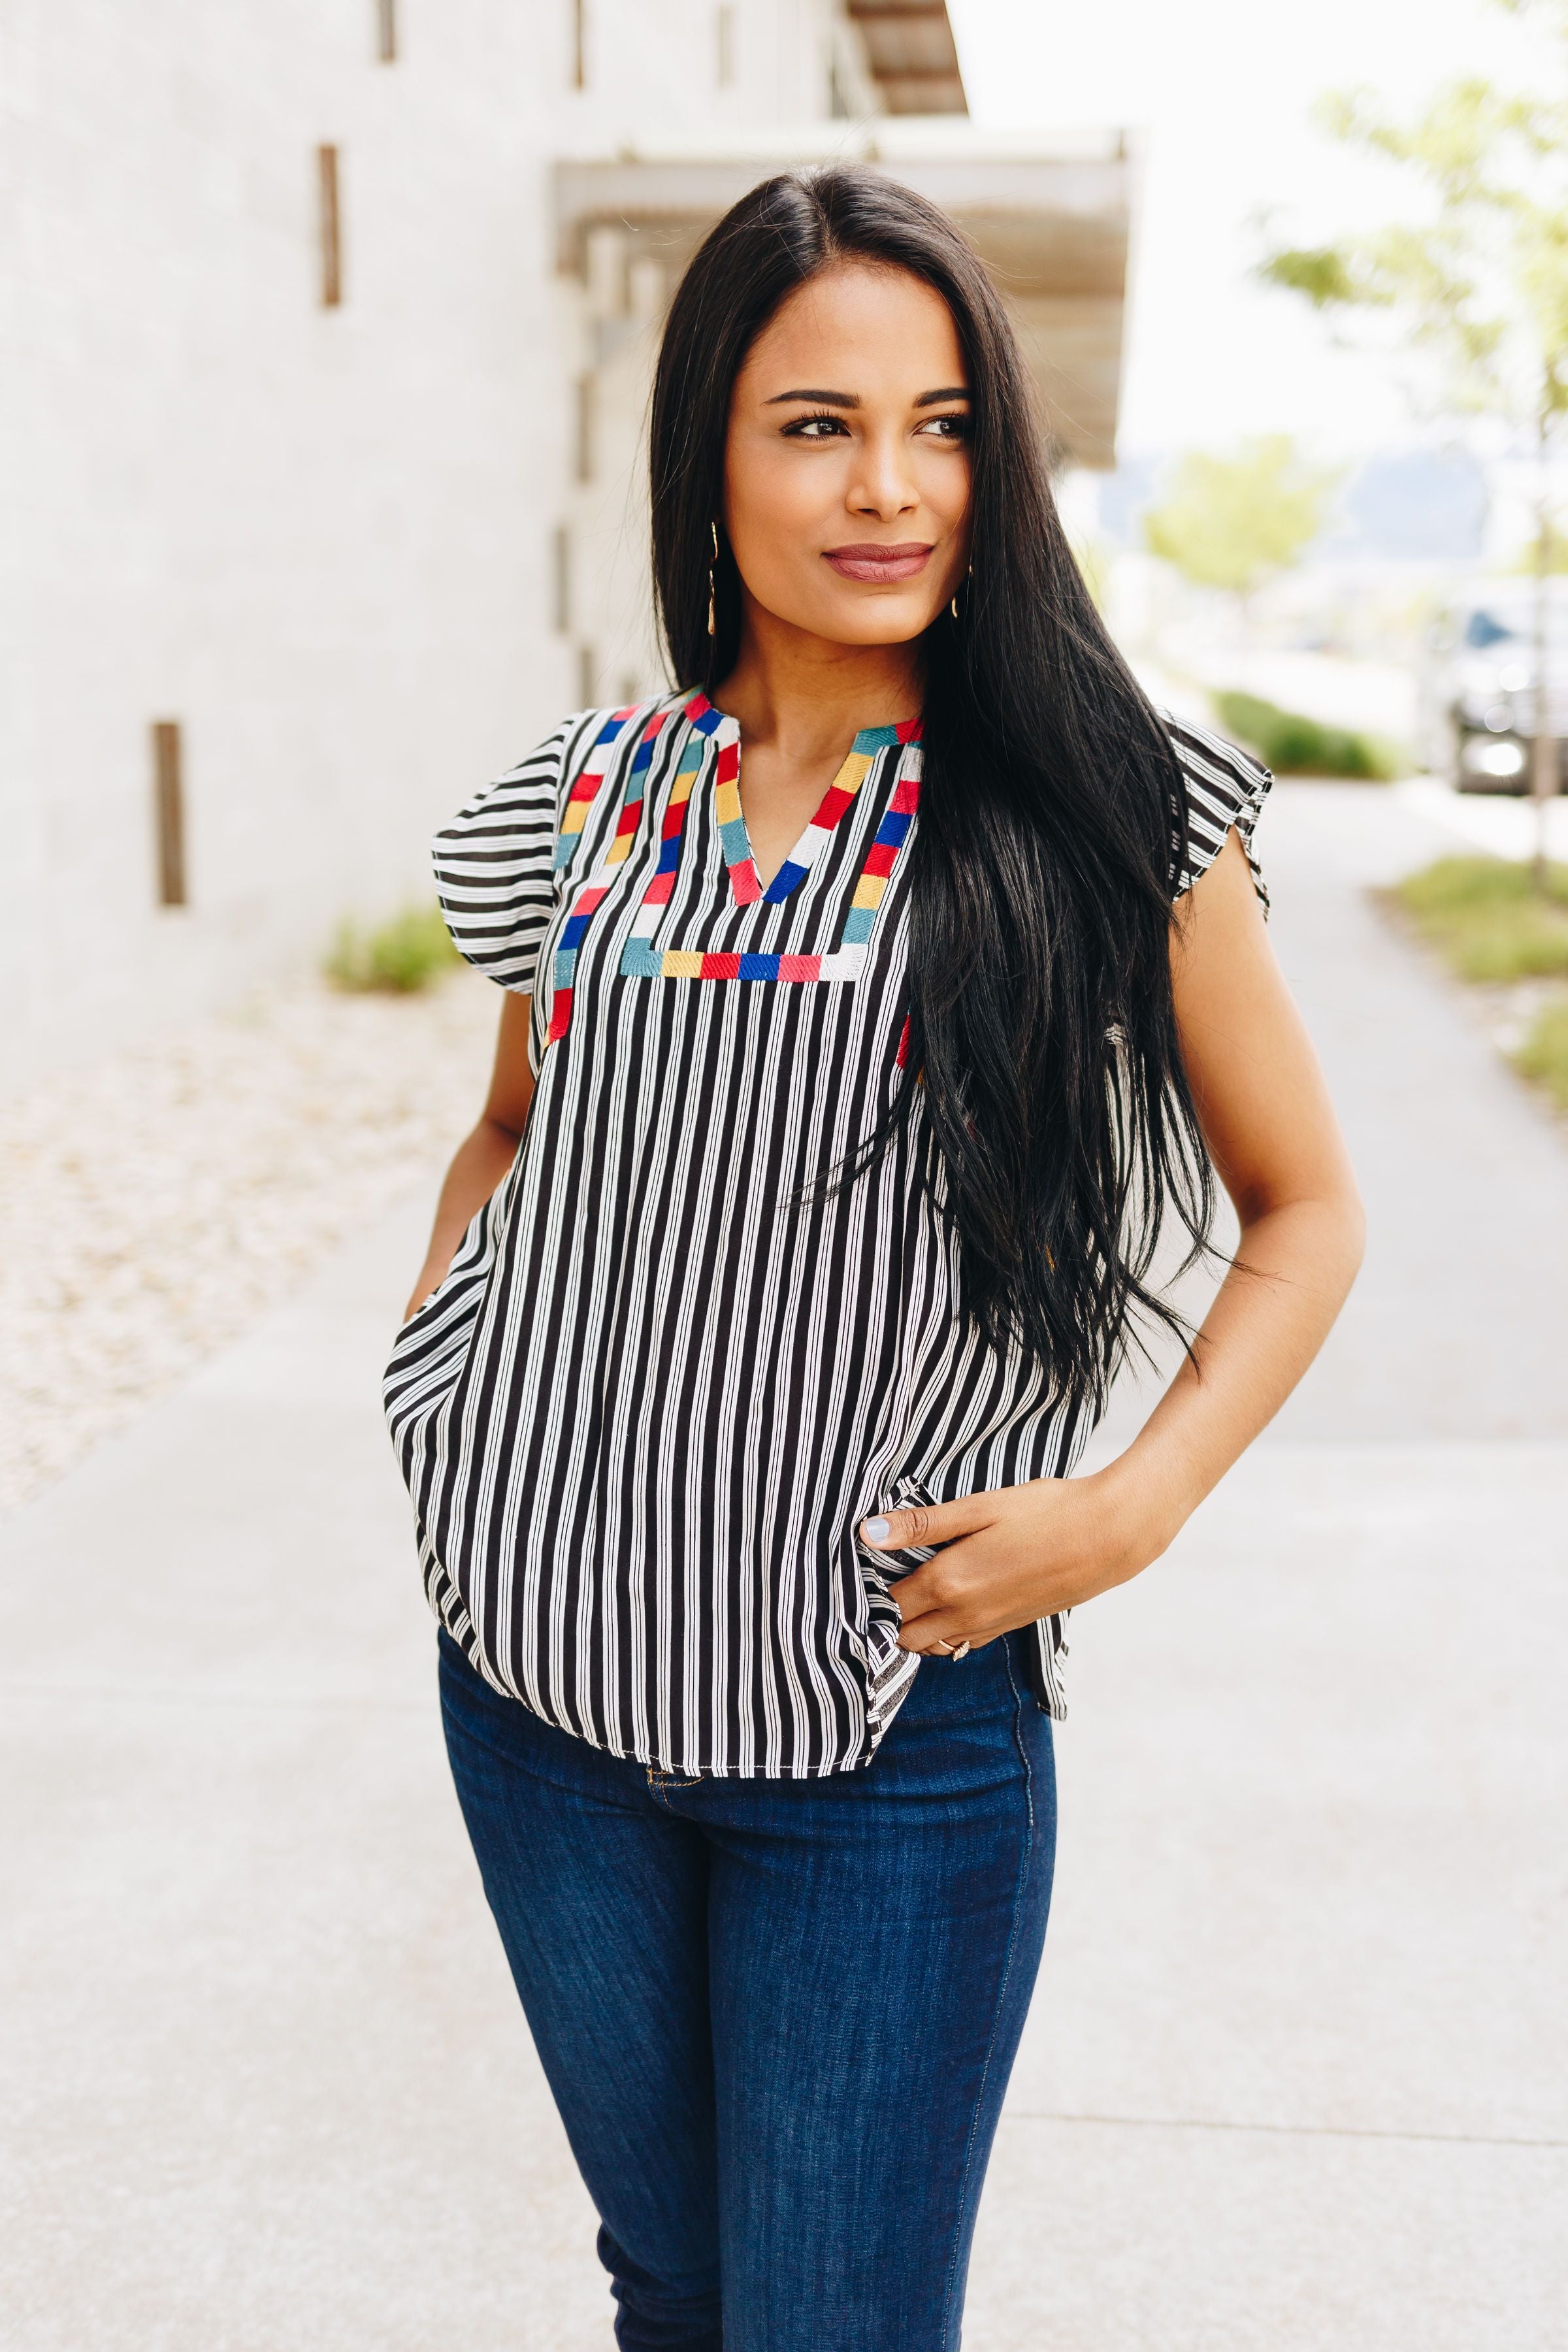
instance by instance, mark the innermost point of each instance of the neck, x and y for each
(807, 695)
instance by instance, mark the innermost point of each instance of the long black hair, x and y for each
(1061, 1131)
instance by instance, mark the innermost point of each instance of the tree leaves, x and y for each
(1232, 522)
(1479, 281)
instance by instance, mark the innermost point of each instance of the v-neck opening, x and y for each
(745, 949)
(746, 885)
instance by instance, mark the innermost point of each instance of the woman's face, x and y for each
(846, 463)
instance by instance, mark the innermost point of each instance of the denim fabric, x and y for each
(777, 2016)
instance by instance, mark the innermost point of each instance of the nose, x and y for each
(882, 485)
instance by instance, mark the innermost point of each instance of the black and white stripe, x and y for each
(1225, 788)
(643, 1414)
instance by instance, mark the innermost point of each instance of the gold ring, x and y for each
(946, 1647)
(962, 1651)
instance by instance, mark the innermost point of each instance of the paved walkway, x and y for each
(1294, 2074)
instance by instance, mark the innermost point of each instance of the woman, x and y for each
(770, 1302)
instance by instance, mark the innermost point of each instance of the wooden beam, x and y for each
(169, 811)
(911, 55)
(329, 228)
(1051, 226)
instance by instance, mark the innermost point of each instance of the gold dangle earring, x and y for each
(712, 628)
(953, 608)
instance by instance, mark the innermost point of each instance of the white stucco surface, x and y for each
(322, 539)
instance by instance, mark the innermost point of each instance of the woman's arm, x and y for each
(1027, 1551)
(483, 1159)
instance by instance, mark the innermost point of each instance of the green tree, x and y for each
(1476, 288)
(1234, 522)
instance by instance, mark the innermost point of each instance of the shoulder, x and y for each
(1220, 776)
(577, 753)
(500, 862)
(1225, 787)
(572, 744)
(596, 741)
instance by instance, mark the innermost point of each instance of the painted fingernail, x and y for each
(876, 1531)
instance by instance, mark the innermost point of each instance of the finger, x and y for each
(943, 1582)
(918, 1594)
(927, 1638)
(926, 1523)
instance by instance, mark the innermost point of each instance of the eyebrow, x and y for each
(824, 399)
(852, 399)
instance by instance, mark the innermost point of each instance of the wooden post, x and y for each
(332, 240)
(169, 811)
(386, 31)
(561, 581)
(584, 420)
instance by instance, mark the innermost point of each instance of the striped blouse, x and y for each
(643, 1415)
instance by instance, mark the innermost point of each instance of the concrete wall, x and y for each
(322, 540)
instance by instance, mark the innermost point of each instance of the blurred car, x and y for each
(1479, 685)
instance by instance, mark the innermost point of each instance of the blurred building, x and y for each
(327, 337)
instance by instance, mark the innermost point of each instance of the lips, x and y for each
(877, 564)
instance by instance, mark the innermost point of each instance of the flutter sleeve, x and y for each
(495, 864)
(1225, 787)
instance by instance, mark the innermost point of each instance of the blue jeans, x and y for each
(778, 2016)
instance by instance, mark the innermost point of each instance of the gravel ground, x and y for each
(153, 1205)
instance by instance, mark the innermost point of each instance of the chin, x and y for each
(888, 621)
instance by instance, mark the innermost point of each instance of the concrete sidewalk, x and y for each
(1294, 2076)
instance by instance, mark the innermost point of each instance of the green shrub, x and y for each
(407, 953)
(1542, 1056)
(1486, 919)
(1294, 746)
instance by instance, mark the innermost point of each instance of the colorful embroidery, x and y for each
(886, 844)
(637, 958)
(640, 959)
(580, 799)
(593, 890)
(745, 881)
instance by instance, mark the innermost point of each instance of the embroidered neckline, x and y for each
(746, 883)
(640, 959)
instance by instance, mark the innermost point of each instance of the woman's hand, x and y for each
(1013, 1555)
(1028, 1551)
